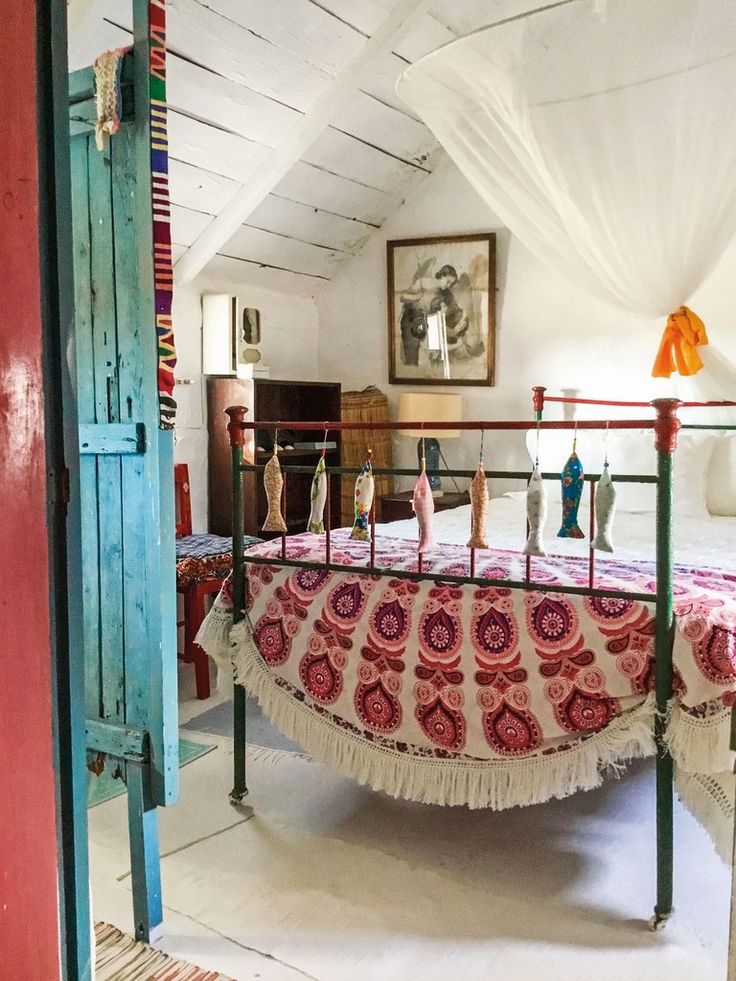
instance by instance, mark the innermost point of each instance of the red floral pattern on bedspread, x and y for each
(486, 672)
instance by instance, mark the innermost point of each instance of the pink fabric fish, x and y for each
(423, 504)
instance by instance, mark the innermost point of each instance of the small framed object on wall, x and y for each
(441, 310)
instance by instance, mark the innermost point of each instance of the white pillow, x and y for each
(555, 446)
(720, 493)
(631, 451)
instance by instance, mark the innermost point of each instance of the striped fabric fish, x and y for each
(572, 492)
(316, 522)
(536, 514)
(364, 490)
(273, 481)
(605, 505)
(423, 505)
(478, 508)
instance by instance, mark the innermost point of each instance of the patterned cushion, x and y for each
(200, 557)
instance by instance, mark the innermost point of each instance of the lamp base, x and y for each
(432, 455)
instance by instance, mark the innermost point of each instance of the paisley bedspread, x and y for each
(465, 679)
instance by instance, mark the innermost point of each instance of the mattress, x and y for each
(706, 542)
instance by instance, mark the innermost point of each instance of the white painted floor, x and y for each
(329, 881)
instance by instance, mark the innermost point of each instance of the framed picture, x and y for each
(441, 325)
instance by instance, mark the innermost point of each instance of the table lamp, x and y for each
(430, 407)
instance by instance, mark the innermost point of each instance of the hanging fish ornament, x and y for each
(478, 504)
(605, 505)
(364, 490)
(273, 481)
(318, 496)
(536, 513)
(423, 505)
(572, 492)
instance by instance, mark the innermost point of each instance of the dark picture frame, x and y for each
(441, 309)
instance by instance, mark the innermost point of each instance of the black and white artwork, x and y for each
(440, 308)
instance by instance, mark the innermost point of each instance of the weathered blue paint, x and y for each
(117, 739)
(115, 438)
(145, 867)
(126, 472)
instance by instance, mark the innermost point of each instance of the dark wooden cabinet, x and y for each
(397, 507)
(269, 400)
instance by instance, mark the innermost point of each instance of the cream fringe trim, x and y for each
(710, 800)
(700, 745)
(497, 784)
(213, 636)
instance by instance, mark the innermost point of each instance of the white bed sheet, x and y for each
(706, 542)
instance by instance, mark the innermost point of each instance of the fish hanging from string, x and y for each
(536, 509)
(573, 481)
(605, 506)
(365, 489)
(423, 504)
(318, 495)
(273, 482)
(478, 503)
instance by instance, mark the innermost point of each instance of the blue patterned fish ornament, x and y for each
(572, 492)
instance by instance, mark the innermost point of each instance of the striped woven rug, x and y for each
(121, 958)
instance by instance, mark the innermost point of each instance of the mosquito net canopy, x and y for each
(603, 133)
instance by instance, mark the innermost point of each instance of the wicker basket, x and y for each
(370, 405)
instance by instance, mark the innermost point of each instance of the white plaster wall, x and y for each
(548, 331)
(289, 346)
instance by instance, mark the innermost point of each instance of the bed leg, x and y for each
(665, 832)
(240, 789)
(665, 440)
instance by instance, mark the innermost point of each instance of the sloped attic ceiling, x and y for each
(242, 75)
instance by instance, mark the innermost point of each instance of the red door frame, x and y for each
(43, 862)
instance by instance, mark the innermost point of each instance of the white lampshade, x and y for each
(430, 407)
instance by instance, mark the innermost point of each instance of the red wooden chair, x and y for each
(202, 562)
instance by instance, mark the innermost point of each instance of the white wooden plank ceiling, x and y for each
(242, 74)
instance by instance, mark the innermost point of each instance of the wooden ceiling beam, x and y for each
(281, 158)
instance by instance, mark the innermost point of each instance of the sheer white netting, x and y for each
(603, 133)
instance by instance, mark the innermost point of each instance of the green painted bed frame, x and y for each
(665, 428)
(126, 470)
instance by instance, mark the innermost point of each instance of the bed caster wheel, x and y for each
(659, 920)
(238, 796)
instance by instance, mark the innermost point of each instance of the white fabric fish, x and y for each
(423, 504)
(536, 513)
(605, 505)
(273, 481)
(478, 509)
(319, 499)
(365, 488)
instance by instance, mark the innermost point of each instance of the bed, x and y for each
(487, 679)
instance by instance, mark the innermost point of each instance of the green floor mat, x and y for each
(105, 787)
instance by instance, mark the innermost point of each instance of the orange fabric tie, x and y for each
(678, 349)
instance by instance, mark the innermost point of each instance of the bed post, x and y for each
(538, 401)
(237, 441)
(665, 431)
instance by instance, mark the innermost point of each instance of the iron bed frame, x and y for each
(665, 427)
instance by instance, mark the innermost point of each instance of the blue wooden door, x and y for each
(126, 474)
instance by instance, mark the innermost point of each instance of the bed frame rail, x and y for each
(664, 425)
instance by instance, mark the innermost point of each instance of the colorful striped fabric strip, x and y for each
(163, 266)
